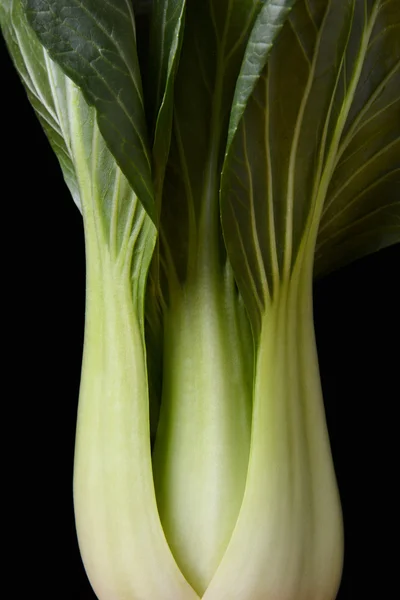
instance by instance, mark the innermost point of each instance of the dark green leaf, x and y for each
(266, 28)
(318, 147)
(167, 24)
(214, 41)
(95, 45)
(165, 44)
(44, 85)
(96, 183)
(362, 209)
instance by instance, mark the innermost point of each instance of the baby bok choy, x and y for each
(222, 153)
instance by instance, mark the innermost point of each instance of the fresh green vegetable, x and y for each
(222, 153)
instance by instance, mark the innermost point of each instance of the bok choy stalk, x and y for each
(111, 427)
(253, 145)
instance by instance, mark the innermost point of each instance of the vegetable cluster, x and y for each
(222, 154)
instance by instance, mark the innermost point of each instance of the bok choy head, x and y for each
(222, 154)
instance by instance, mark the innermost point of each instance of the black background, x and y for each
(357, 328)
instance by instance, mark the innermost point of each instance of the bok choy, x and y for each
(222, 154)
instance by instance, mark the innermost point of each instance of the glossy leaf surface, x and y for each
(317, 151)
(95, 45)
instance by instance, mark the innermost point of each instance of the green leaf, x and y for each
(95, 45)
(317, 149)
(44, 84)
(266, 28)
(361, 212)
(165, 44)
(214, 40)
(96, 183)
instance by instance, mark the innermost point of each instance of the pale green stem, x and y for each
(201, 452)
(122, 543)
(288, 540)
(120, 536)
